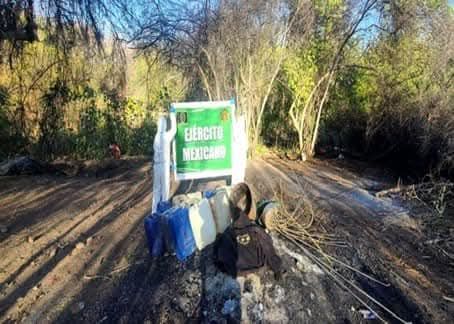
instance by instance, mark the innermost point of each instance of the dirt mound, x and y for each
(24, 165)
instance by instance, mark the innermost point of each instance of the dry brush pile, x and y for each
(296, 220)
(437, 196)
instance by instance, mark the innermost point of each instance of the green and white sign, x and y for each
(203, 140)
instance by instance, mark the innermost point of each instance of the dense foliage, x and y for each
(75, 104)
(370, 78)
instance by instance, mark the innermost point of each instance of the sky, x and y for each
(366, 33)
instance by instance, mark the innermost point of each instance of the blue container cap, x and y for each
(208, 194)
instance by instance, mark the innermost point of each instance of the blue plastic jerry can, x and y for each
(154, 234)
(181, 232)
(169, 244)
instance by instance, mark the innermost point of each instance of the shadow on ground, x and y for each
(75, 251)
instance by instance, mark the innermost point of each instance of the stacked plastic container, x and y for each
(221, 210)
(187, 224)
(154, 229)
(202, 224)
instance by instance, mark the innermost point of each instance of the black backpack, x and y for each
(245, 247)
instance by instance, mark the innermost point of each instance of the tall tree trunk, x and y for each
(265, 100)
(367, 6)
(213, 71)
(205, 82)
(298, 120)
(319, 113)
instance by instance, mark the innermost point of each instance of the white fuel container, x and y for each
(202, 224)
(221, 210)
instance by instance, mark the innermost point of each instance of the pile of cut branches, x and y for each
(437, 194)
(298, 224)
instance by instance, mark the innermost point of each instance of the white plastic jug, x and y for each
(202, 224)
(221, 210)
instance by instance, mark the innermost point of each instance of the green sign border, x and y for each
(203, 105)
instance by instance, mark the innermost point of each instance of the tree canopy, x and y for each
(373, 78)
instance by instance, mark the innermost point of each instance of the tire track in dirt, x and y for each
(52, 236)
(87, 223)
(118, 230)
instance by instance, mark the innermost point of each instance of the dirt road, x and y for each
(73, 250)
(388, 240)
